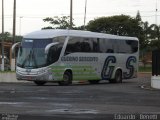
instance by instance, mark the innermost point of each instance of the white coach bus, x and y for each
(64, 56)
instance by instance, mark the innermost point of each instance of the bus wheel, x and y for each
(67, 79)
(118, 77)
(94, 81)
(39, 83)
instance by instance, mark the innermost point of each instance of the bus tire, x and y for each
(67, 79)
(40, 83)
(118, 77)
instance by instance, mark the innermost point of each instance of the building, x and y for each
(7, 54)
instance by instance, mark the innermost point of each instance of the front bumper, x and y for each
(34, 76)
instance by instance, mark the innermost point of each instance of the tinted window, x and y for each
(86, 45)
(73, 45)
(134, 45)
(123, 47)
(127, 46)
(102, 45)
(60, 39)
(95, 43)
(37, 43)
(79, 44)
(107, 45)
(54, 53)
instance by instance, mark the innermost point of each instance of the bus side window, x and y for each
(110, 51)
(85, 46)
(127, 46)
(54, 53)
(133, 45)
(95, 45)
(123, 47)
(73, 45)
(107, 45)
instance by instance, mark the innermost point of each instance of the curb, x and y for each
(144, 72)
(147, 87)
(8, 77)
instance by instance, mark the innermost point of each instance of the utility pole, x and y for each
(70, 27)
(85, 14)
(14, 33)
(14, 21)
(2, 43)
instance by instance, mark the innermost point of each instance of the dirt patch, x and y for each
(144, 74)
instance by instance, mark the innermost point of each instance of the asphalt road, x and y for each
(26, 101)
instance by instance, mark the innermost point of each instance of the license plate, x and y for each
(29, 78)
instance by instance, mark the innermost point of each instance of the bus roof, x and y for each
(51, 33)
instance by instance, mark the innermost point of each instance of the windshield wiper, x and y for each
(34, 59)
(30, 58)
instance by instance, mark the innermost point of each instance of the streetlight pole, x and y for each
(14, 33)
(85, 14)
(20, 24)
(70, 14)
(14, 21)
(2, 43)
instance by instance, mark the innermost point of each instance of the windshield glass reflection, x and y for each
(31, 53)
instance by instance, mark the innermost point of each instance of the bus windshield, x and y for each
(31, 53)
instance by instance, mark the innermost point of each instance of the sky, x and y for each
(30, 13)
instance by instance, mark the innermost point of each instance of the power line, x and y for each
(34, 17)
(81, 13)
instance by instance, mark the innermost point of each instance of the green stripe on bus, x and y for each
(57, 70)
(79, 72)
(70, 66)
(82, 70)
(58, 67)
(81, 67)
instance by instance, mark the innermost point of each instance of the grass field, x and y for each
(145, 69)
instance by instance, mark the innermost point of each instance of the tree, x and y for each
(8, 37)
(146, 32)
(154, 36)
(155, 32)
(118, 25)
(138, 16)
(146, 29)
(79, 28)
(5, 36)
(145, 46)
(58, 22)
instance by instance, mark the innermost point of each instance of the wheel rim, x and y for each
(66, 78)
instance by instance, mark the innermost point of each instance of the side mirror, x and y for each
(49, 46)
(66, 53)
(14, 46)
